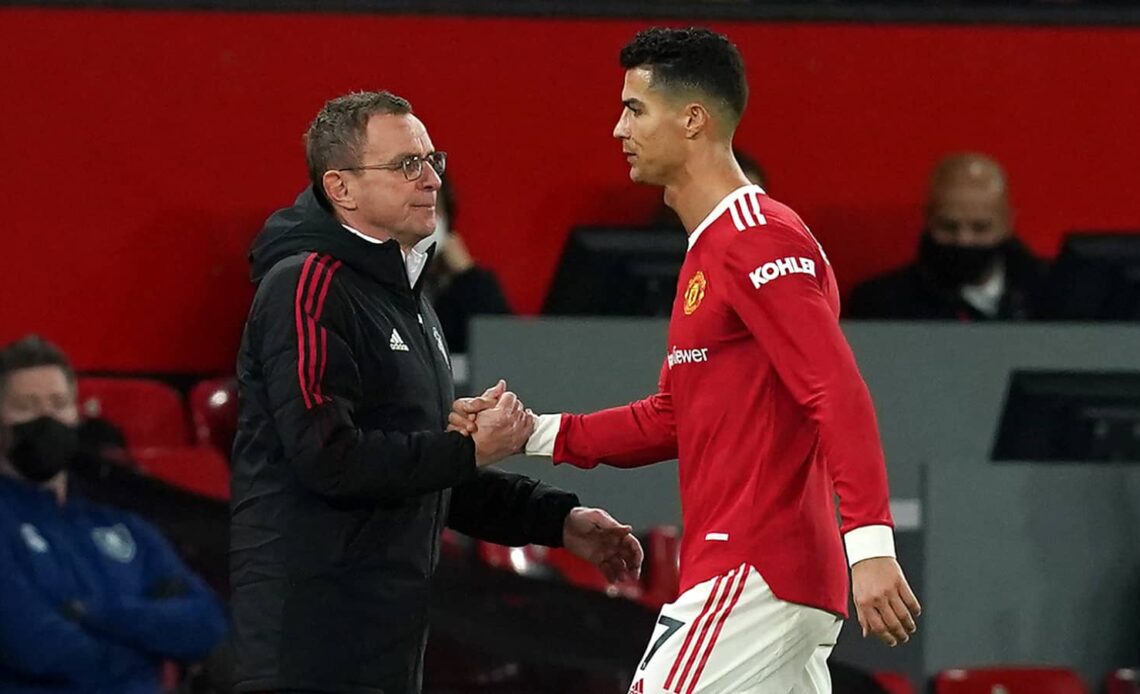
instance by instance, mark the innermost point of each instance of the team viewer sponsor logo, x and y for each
(778, 268)
(687, 356)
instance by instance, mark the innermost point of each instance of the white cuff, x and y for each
(546, 427)
(868, 542)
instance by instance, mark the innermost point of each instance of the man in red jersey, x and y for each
(760, 400)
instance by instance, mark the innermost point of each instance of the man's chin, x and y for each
(638, 176)
(419, 235)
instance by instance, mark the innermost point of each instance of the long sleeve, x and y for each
(633, 435)
(179, 618)
(36, 639)
(510, 509)
(787, 310)
(303, 327)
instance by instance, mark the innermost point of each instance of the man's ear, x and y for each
(697, 119)
(337, 190)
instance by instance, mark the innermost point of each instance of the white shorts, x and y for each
(731, 634)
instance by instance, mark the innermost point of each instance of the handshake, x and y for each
(497, 422)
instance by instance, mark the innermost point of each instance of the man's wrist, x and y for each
(541, 442)
(868, 542)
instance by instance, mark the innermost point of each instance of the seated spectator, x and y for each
(457, 286)
(970, 266)
(92, 599)
(626, 271)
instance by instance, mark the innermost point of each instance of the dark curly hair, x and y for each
(693, 59)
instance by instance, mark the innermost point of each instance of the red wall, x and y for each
(143, 150)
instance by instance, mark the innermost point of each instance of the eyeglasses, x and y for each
(413, 166)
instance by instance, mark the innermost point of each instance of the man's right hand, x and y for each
(501, 431)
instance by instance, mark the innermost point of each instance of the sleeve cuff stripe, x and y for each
(541, 442)
(868, 542)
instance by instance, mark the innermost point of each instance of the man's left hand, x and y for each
(886, 607)
(463, 411)
(594, 535)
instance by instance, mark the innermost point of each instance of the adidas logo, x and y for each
(397, 344)
(637, 688)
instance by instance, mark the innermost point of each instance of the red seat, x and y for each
(1123, 681)
(214, 413)
(661, 570)
(1009, 680)
(198, 469)
(894, 682)
(149, 413)
(581, 573)
(524, 561)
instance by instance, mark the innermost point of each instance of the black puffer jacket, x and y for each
(343, 476)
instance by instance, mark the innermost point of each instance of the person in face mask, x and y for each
(969, 266)
(459, 288)
(92, 599)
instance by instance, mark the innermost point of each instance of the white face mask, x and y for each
(442, 231)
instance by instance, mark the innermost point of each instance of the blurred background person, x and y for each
(92, 599)
(970, 265)
(458, 287)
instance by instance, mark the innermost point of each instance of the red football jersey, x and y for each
(761, 401)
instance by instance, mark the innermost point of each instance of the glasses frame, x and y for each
(412, 167)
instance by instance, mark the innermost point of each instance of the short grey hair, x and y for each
(336, 136)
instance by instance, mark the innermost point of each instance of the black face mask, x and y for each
(954, 265)
(42, 448)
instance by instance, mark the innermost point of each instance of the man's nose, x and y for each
(621, 132)
(430, 180)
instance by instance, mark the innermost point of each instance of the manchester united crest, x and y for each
(695, 292)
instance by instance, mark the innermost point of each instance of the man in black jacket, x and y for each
(970, 266)
(343, 474)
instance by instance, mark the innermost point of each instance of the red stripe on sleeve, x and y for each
(311, 361)
(299, 313)
(319, 277)
(324, 343)
(325, 290)
(321, 371)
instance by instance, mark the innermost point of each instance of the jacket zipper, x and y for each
(439, 521)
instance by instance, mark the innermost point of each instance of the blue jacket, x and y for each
(93, 599)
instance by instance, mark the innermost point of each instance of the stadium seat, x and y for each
(454, 544)
(149, 413)
(1123, 681)
(198, 469)
(661, 569)
(1008, 680)
(214, 413)
(894, 682)
(524, 561)
(581, 573)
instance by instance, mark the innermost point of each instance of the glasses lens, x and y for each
(413, 168)
(438, 161)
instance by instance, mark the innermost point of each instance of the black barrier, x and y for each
(1025, 12)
